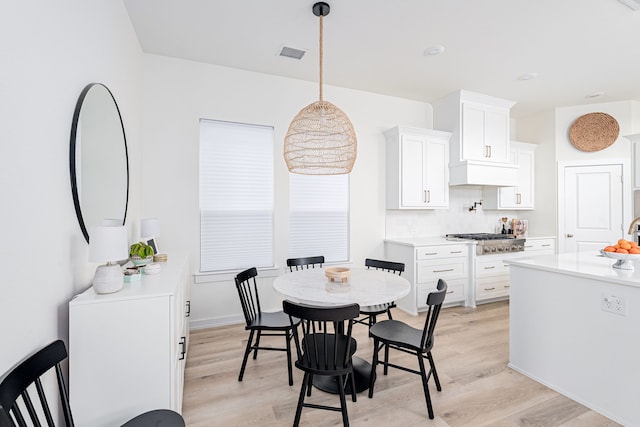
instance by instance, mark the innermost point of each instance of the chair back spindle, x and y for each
(305, 263)
(248, 293)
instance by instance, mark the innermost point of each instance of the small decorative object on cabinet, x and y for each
(520, 197)
(417, 171)
(480, 138)
(141, 253)
(108, 244)
(127, 350)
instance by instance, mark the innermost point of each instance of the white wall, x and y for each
(178, 93)
(50, 51)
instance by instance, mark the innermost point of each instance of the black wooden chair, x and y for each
(400, 336)
(324, 350)
(302, 263)
(369, 314)
(261, 324)
(23, 400)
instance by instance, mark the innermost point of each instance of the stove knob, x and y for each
(486, 250)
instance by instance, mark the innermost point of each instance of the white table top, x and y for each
(364, 287)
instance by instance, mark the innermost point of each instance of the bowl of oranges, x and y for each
(624, 252)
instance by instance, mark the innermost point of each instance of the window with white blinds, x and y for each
(236, 196)
(319, 216)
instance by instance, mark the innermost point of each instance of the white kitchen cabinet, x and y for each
(492, 271)
(520, 197)
(635, 144)
(425, 264)
(479, 147)
(127, 350)
(417, 168)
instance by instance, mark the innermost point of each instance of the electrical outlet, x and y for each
(614, 304)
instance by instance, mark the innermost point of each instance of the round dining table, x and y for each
(363, 286)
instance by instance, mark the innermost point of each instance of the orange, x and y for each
(621, 241)
(634, 251)
(625, 245)
(633, 244)
(609, 249)
(622, 251)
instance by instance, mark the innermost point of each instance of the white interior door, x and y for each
(593, 206)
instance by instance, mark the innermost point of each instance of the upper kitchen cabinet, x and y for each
(417, 173)
(522, 195)
(479, 148)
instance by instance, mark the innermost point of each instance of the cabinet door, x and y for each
(508, 196)
(497, 134)
(525, 179)
(436, 172)
(473, 147)
(485, 132)
(412, 181)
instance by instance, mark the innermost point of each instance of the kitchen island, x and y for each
(575, 327)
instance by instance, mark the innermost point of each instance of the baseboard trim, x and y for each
(215, 322)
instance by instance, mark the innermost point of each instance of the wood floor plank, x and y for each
(471, 353)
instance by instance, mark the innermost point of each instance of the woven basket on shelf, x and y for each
(594, 132)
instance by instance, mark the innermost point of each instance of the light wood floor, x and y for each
(471, 353)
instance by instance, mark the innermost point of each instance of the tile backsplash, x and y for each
(456, 219)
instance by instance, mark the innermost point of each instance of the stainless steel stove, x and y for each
(489, 244)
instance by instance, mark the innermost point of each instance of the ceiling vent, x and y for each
(291, 52)
(632, 4)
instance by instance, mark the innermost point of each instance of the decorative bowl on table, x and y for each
(138, 261)
(623, 261)
(338, 274)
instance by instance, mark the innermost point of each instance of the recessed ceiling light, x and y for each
(434, 50)
(595, 95)
(528, 76)
(291, 52)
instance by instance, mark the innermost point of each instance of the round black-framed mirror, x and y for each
(98, 160)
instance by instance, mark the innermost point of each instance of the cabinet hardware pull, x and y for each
(548, 244)
(424, 196)
(489, 150)
(442, 271)
(183, 343)
(188, 312)
(489, 268)
(569, 235)
(489, 289)
(431, 253)
(507, 286)
(486, 151)
(455, 252)
(428, 196)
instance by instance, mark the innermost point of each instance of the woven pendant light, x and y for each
(320, 139)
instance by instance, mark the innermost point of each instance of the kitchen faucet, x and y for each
(632, 226)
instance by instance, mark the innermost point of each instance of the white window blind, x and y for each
(236, 196)
(319, 216)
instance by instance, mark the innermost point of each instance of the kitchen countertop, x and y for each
(427, 241)
(589, 264)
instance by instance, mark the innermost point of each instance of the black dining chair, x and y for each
(324, 348)
(400, 336)
(23, 400)
(302, 263)
(369, 314)
(261, 324)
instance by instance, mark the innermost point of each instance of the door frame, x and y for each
(627, 196)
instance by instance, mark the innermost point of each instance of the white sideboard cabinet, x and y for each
(417, 168)
(127, 350)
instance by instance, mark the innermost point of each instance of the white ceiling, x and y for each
(577, 47)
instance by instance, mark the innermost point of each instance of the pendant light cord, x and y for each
(321, 55)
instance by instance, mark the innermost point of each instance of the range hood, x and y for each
(477, 172)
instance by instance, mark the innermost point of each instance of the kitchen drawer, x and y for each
(435, 269)
(492, 287)
(455, 292)
(491, 267)
(539, 245)
(442, 251)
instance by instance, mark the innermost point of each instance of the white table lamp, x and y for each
(108, 244)
(149, 227)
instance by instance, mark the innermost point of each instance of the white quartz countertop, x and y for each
(426, 241)
(589, 264)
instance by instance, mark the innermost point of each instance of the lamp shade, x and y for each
(108, 244)
(149, 227)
